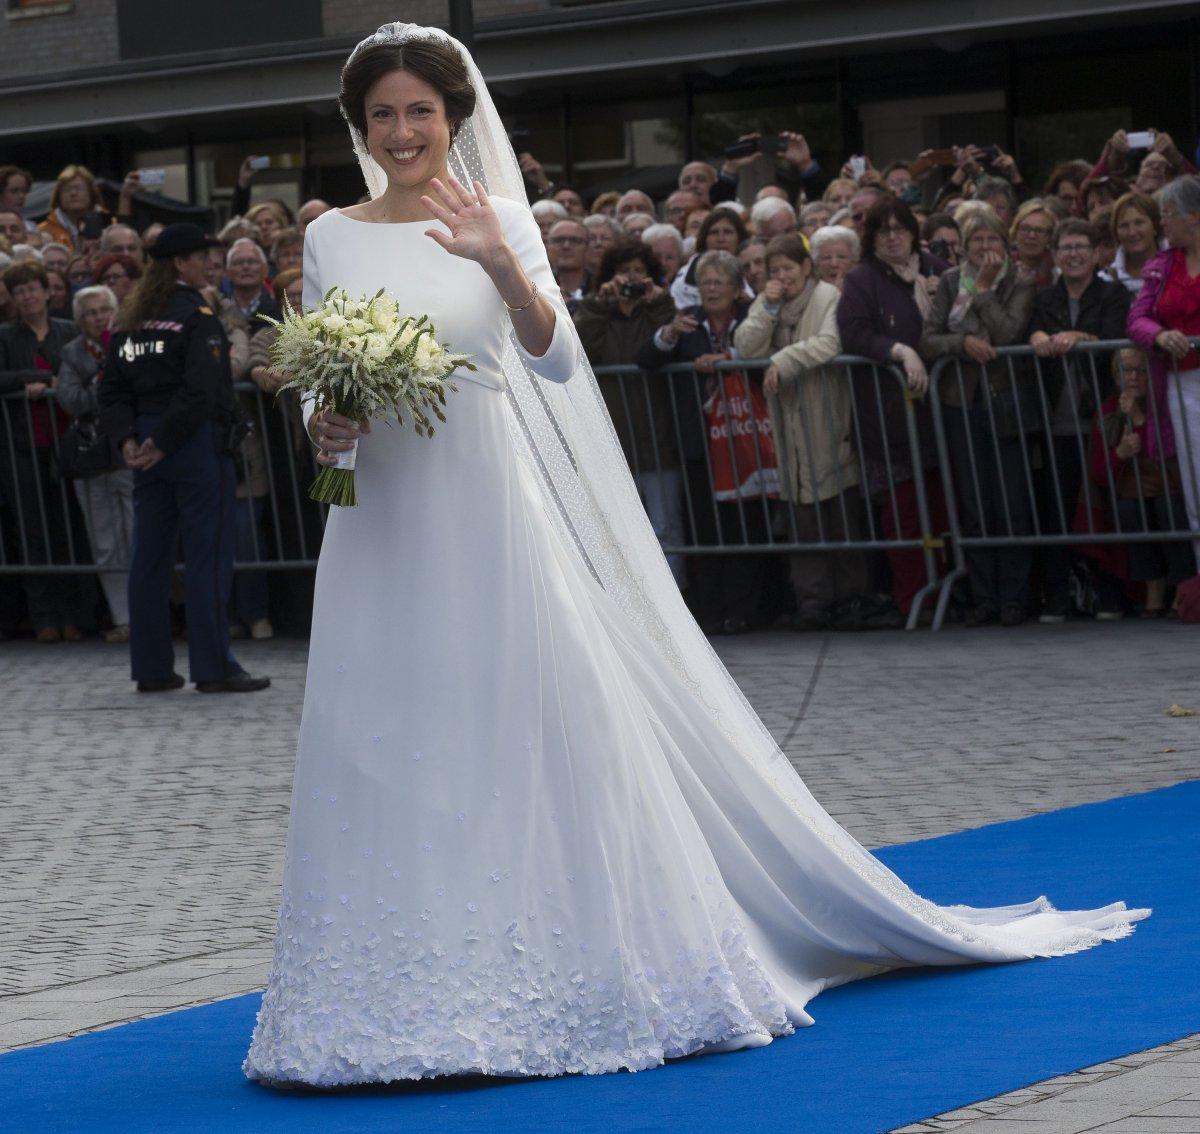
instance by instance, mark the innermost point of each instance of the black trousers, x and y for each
(1068, 462)
(189, 493)
(992, 493)
(1172, 560)
(724, 586)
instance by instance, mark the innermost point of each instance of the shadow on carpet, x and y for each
(883, 1053)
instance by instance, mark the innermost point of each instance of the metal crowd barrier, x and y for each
(891, 421)
(893, 440)
(46, 530)
(1033, 449)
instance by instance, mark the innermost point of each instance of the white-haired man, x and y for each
(773, 216)
(246, 266)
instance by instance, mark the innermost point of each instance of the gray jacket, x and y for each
(1001, 317)
(76, 385)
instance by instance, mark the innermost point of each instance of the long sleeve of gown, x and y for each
(521, 231)
(312, 298)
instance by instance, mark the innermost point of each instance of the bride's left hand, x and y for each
(475, 232)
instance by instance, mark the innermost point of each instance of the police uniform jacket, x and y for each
(176, 365)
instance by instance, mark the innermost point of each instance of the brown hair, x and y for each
(790, 246)
(1074, 226)
(1073, 171)
(105, 262)
(8, 172)
(287, 238)
(438, 64)
(886, 209)
(1139, 202)
(156, 286)
(70, 174)
(283, 281)
(25, 271)
(713, 217)
(624, 252)
(604, 200)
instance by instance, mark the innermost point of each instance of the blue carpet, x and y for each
(883, 1053)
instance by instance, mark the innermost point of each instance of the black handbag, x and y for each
(84, 450)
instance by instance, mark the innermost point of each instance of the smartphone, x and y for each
(771, 144)
(744, 148)
(92, 226)
(260, 162)
(148, 178)
(990, 153)
(858, 165)
(1140, 139)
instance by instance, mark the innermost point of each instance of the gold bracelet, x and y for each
(528, 303)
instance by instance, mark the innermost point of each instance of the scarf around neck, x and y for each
(910, 273)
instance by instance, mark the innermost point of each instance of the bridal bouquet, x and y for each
(363, 358)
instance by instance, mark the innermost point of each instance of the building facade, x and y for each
(606, 93)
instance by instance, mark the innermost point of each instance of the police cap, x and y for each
(179, 240)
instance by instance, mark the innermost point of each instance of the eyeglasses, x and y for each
(112, 277)
(1033, 230)
(560, 240)
(889, 229)
(1074, 249)
(1134, 370)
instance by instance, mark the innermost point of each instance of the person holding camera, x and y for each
(625, 309)
(167, 402)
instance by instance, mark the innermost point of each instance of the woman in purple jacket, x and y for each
(885, 301)
(1165, 318)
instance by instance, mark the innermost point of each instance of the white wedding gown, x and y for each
(518, 844)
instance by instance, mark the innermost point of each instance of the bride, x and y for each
(535, 827)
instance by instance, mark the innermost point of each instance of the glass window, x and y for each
(636, 144)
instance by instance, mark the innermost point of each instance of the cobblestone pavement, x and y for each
(143, 835)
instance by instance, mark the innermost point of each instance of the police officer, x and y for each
(167, 401)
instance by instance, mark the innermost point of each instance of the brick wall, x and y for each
(361, 17)
(84, 37)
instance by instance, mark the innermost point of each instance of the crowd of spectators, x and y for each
(63, 280)
(763, 256)
(952, 254)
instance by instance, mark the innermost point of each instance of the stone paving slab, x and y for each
(143, 835)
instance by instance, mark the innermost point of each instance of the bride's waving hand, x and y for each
(476, 234)
(475, 230)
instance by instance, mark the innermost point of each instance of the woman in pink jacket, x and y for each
(1166, 317)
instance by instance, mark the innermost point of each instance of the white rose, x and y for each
(424, 355)
(406, 336)
(378, 346)
(334, 322)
